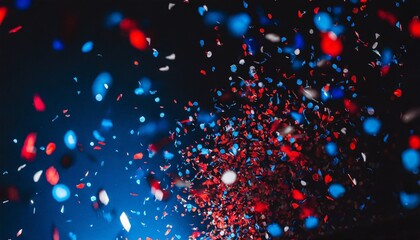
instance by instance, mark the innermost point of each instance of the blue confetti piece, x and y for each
(155, 53)
(323, 21)
(409, 200)
(60, 192)
(23, 4)
(238, 24)
(114, 19)
(87, 47)
(101, 85)
(372, 126)
(336, 190)
(201, 10)
(57, 45)
(274, 230)
(331, 148)
(311, 222)
(411, 160)
(233, 68)
(70, 139)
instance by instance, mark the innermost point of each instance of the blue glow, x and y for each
(386, 56)
(299, 41)
(311, 222)
(101, 85)
(411, 160)
(274, 230)
(113, 19)
(336, 190)
(409, 200)
(323, 21)
(70, 139)
(212, 18)
(57, 45)
(238, 24)
(87, 47)
(297, 117)
(98, 136)
(142, 119)
(23, 4)
(167, 155)
(372, 126)
(233, 68)
(331, 149)
(60, 192)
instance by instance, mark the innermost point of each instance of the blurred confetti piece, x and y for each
(238, 24)
(413, 27)
(323, 21)
(15, 30)
(372, 126)
(138, 39)
(19, 232)
(61, 192)
(311, 222)
(56, 234)
(272, 37)
(409, 200)
(28, 151)
(50, 148)
(336, 190)
(87, 47)
(70, 139)
(100, 85)
(171, 57)
(125, 222)
(3, 13)
(331, 44)
(229, 177)
(411, 160)
(37, 176)
(103, 197)
(410, 115)
(52, 175)
(274, 230)
(38, 103)
(138, 156)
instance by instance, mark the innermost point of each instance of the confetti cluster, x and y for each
(310, 128)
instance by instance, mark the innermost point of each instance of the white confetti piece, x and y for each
(37, 175)
(229, 177)
(171, 57)
(164, 69)
(103, 197)
(125, 222)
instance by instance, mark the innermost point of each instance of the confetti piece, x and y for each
(52, 175)
(100, 86)
(331, 44)
(411, 160)
(87, 47)
(70, 139)
(3, 13)
(323, 21)
(238, 24)
(336, 190)
(19, 232)
(229, 177)
(414, 142)
(50, 148)
(171, 57)
(138, 156)
(61, 192)
(103, 197)
(413, 27)
(372, 126)
(28, 151)
(311, 222)
(37, 176)
(15, 30)
(409, 200)
(274, 230)
(138, 39)
(125, 222)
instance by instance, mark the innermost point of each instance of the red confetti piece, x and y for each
(297, 195)
(327, 179)
(389, 17)
(16, 29)
(3, 12)
(414, 27)
(331, 44)
(50, 148)
(56, 234)
(414, 142)
(38, 103)
(80, 185)
(398, 92)
(28, 151)
(138, 39)
(138, 156)
(52, 175)
(127, 25)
